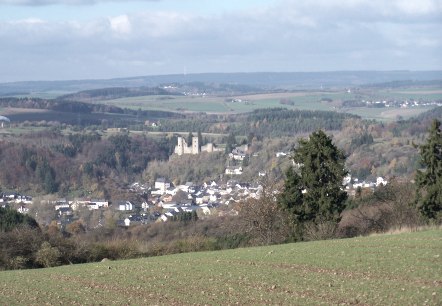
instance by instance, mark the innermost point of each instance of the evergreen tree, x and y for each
(316, 193)
(49, 183)
(10, 219)
(291, 197)
(429, 181)
(231, 142)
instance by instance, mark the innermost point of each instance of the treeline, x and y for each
(58, 105)
(279, 122)
(404, 83)
(115, 93)
(272, 122)
(419, 124)
(24, 247)
(76, 107)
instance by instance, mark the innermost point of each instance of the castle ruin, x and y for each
(183, 148)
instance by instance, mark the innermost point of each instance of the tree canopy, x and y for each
(9, 219)
(315, 192)
(429, 181)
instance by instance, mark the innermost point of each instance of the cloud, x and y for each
(61, 2)
(286, 36)
(120, 24)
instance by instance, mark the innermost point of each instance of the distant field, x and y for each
(422, 91)
(298, 100)
(213, 104)
(303, 100)
(387, 114)
(403, 269)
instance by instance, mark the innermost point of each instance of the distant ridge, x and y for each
(268, 80)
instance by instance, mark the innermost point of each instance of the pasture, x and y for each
(400, 269)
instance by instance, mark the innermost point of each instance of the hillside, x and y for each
(403, 269)
(291, 80)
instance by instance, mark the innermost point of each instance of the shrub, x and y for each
(18, 248)
(48, 256)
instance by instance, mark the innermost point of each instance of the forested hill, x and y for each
(273, 122)
(435, 113)
(419, 124)
(268, 80)
(114, 93)
(79, 107)
(280, 121)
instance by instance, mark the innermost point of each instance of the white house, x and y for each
(124, 205)
(162, 184)
(23, 199)
(100, 203)
(234, 170)
(380, 181)
(346, 180)
(23, 209)
(281, 154)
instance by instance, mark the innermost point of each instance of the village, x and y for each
(163, 201)
(395, 103)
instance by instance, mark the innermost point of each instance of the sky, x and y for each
(102, 39)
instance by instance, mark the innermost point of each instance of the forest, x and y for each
(36, 160)
(49, 162)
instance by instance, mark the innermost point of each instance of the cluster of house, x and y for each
(237, 156)
(14, 199)
(355, 183)
(165, 201)
(189, 197)
(401, 103)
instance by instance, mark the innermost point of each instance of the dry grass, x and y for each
(407, 229)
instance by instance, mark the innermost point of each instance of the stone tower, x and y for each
(195, 145)
(179, 149)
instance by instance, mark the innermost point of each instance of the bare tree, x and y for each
(264, 219)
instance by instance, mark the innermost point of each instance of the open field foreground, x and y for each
(402, 269)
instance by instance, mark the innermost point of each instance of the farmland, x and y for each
(402, 269)
(344, 101)
(302, 100)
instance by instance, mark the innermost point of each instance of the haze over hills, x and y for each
(264, 80)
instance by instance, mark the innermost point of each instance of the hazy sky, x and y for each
(81, 39)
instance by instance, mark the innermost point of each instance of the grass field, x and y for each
(402, 269)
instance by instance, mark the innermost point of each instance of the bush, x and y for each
(18, 248)
(389, 207)
(320, 230)
(48, 256)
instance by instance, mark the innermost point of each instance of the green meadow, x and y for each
(399, 269)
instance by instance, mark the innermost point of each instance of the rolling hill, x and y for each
(401, 269)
